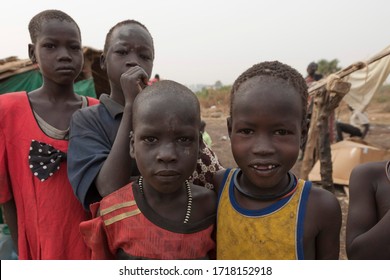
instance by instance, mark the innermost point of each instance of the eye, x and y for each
(282, 132)
(245, 131)
(184, 140)
(75, 47)
(145, 57)
(49, 46)
(121, 52)
(150, 139)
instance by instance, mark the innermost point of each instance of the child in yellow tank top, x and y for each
(264, 211)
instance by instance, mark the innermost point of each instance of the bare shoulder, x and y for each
(323, 205)
(218, 178)
(368, 175)
(323, 199)
(204, 202)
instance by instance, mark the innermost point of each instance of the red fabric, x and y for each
(139, 237)
(48, 212)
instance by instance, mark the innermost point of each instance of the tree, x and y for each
(218, 85)
(326, 67)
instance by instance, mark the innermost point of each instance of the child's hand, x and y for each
(133, 81)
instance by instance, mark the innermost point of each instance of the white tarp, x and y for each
(366, 82)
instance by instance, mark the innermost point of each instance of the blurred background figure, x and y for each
(358, 125)
(155, 79)
(206, 137)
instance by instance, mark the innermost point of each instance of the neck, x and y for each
(288, 190)
(57, 92)
(161, 195)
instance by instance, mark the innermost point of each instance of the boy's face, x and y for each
(266, 131)
(58, 51)
(130, 45)
(165, 143)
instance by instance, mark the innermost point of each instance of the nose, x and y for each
(167, 153)
(63, 54)
(132, 59)
(263, 146)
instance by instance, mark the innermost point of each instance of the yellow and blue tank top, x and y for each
(272, 233)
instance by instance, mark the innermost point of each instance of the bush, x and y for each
(209, 97)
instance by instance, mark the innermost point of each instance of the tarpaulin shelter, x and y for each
(23, 75)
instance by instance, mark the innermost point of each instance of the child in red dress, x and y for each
(40, 207)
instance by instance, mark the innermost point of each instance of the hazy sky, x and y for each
(203, 41)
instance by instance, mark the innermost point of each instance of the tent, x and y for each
(22, 75)
(345, 156)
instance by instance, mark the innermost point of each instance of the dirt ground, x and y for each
(379, 136)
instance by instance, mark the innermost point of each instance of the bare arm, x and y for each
(322, 226)
(11, 220)
(116, 170)
(368, 223)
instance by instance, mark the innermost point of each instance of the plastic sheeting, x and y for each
(31, 80)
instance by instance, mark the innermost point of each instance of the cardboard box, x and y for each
(345, 156)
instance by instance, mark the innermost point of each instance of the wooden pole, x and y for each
(326, 99)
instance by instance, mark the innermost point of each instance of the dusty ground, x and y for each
(379, 136)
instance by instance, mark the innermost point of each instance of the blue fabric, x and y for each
(94, 129)
(301, 219)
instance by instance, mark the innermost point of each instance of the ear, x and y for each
(131, 148)
(229, 126)
(31, 53)
(304, 133)
(103, 61)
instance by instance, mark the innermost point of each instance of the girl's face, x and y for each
(165, 143)
(130, 45)
(58, 51)
(266, 132)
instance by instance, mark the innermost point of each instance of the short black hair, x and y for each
(35, 25)
(119, 24)
(274, 69)
(166, 89)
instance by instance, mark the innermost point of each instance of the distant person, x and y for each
(358, 127)
(265, 211)
(312, 75)
(161, 215)
(99, 160)
(368, 221)
(39, 204)
(155, 79)
(206, 137)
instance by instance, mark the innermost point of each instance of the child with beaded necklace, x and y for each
(161, 215)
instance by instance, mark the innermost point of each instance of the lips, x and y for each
(65, 69)
(167, 173)
(264, 167)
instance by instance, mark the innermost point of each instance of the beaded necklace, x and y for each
(264, 197)
(189, 197)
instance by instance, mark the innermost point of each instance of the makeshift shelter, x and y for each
(358, 90)
(23, 75)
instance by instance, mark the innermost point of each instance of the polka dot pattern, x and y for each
(44, 160)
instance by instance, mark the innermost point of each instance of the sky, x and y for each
(204, 41)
